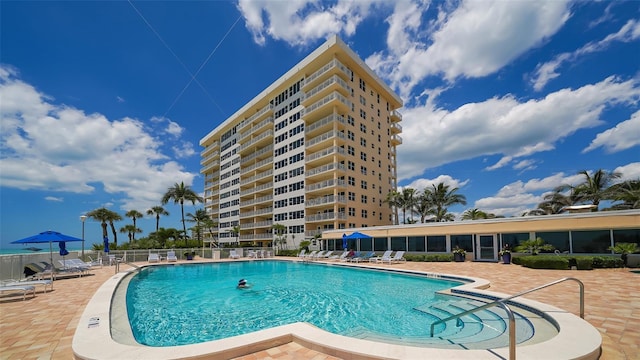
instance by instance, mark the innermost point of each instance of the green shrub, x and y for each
(545, 262)
(429, 257)
(584, 262)
(607, 262)
(288, 253)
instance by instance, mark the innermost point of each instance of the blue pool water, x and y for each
(188, 304)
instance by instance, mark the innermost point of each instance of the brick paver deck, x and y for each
(43, 327)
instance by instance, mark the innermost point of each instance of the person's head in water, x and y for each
(242, 283)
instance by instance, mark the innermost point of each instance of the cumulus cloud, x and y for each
(623, 136)
(629, 172)
(504, 126)
(475, 39)
(548, 71)
(53, 147)
(299, 22)
(54, 199)
(421, 184)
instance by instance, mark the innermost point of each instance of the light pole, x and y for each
(83, 218)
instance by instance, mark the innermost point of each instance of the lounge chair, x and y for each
(398, 257)
(113, 259)
(326, 255)
(19, 288)
(318, 255)
(44, 283)
(339, 257)
(233, 255)
(171, 256)
(385, 257)
(69, 266)
(153, 258)
(310, 255)
(302, 253)
(364, 257)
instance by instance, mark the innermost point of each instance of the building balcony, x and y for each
(319, 155)
(256, 201)
(257, 177)
(266, 163)
(325, 185)
(334, 83)
(258, 155)
(326, 200)
(396, 140)
(333, 121)
(396, 116)
(268, 187)
(260, 140)
(210, 166)
(329, 138)
(265, 211)
(265, 111)
(326, 105)
(255, 225)
(330, 216)
(209, 148)
(396, 128)
(264, 124)
(213, 155)
(332, 67)
(324, 171)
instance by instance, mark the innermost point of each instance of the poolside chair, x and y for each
(310, 255)
(44, 283)
(327, 254)
(171, 256)
(69, 266)
(364, 257)
(302, 253)
(318, 255)
(233, 255)
(153, 258)
(385, 257)
(398, 257)
(19, 288)
(339, 257)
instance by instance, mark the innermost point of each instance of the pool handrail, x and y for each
(502, 303)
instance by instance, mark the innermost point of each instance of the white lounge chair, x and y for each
(171, 256)
(339, 257)
(233, 255)
(44, 283)
(302, 253)
(326, 255)
(385, 257)
(398, 257)
(19, 288)
(71, 266)
(318, 255)
(153, 258)
(310, 255)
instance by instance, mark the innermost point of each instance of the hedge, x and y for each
(564, 262)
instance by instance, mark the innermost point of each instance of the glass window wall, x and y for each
(462, 241)
(416, 243)
(437, 243)
(559, 239)
(591, 242)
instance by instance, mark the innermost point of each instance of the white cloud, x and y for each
(548, 71)
(473, 40)
(623, 136)
(629, 172)
(46, 146)
(54, 199)
(421, 184)
(504, 126)
(299, 22)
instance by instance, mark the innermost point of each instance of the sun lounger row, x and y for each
(25, 289)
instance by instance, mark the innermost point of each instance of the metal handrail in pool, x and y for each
(502, 303)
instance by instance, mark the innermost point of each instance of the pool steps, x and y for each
(482, 330)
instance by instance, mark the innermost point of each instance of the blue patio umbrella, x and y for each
(354, 236)
(48, 237)
(106, 244)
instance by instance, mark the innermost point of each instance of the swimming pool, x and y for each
(103, 330)
(177, 305)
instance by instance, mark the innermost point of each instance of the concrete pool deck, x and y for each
(43, 327)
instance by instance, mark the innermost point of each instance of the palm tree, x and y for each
(393, 199)
(210, 225)
(181, 193)
(130, 230)
(624, 249)
(134, 214)
(423, 207)
(280, 231)
(199, 217)
(235, 231)
(113, 217)
(475, 214)
(593, 188)
(157, 211)
(554, 203)
(442, 197)
(102, 215)
(628, 192)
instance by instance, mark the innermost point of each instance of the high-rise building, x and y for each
(314, 151)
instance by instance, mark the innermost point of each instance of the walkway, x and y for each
(43, 327)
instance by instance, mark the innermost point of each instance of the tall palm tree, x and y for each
(134, 214)
(210, 225)
(594, 187)
(424, 207)
(199, 217)
(281, 237)
(157, 211)
(235, 231)
(105, 216)
(442, 197)
(393, 199)
(180, 193)
(102, 215)
(474, 214)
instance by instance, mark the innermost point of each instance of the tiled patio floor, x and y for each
(43, 327)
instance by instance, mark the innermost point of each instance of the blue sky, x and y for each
(103, 103)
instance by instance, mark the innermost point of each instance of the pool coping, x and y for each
(576, 339)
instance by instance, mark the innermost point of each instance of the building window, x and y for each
(436, 243)
(364, 213)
